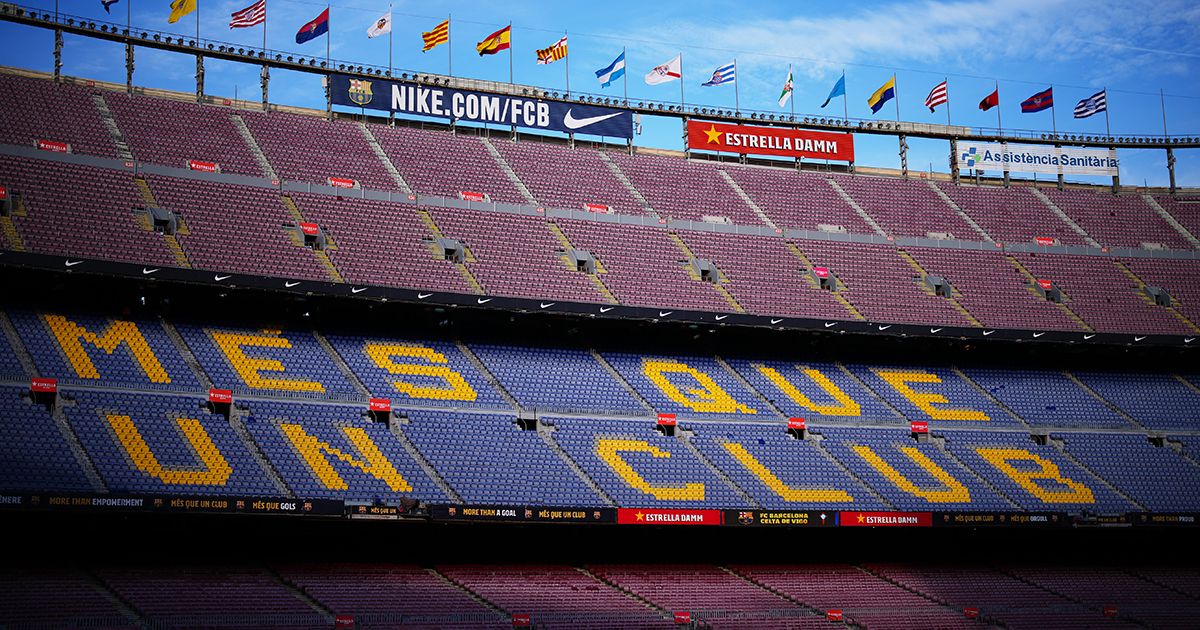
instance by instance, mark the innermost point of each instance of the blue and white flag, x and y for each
(107, 4)
(722, 75)
(614, 71)
(1093, 104)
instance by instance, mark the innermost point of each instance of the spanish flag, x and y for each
(439, 35)
(885, 93)
(495, 42)
(180, 8)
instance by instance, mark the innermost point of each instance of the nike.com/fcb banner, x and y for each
(781, 141)
(410, 98)
(1032, 158)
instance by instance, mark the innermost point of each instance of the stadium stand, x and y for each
(691, 386)
(575, 382)
(32, 448)
(1044, 398)
(1177, 278)
(797, 199)
(307, 149)
(1010, 215)
(443, 164)
(1113, 458)
(564, 178)
(685, 189)
(1135, 598)
(1116, 220)
(58, 598)
(819, 391)
(36, 109)
(1184, 209)
(925, 394)
(1153, 401)
(905, 207)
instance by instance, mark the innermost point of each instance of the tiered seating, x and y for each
(10, 367)
(1185, 210)
(1177, 277)
(797, 199)
(36, 109)
(685, 189)
(880, 284)
(697, 588)
(1180, 579)
(616, 454)
(212, 597)
(780, 472)
(74, 210)
(691, 386)
(235, 228)
(164, 444)
(312, 149)
(1155, 477)
(556, 596)
(516, 255)
(644, 268)
(442, 164)
(764, 276)
(326, 451)
(34, 455)
(1043, 470)
(935, 394)
(560, 177)
(863, 598)
(1116, 220)
(905, 207)
(488, 460)
(147, 122)
(89, 350)
(1155, 401)
(390, 594)
(1099, 293)
(1135, 598)
(417, 372)
(282, 363)
(55, 598)
(822, 392)
(993, 290)
(1047, 398)
(555, 379)
(380, 243)
(910, 475)
(1010, 215)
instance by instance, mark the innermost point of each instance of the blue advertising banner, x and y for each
(404, 97)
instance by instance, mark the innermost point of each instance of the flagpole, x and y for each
(390, 29)
(999, 126)
(947, 80)
(567, 65)
(1053, 114)
(510, 54)
(1107, 130)
(845, 99)
(625, 75)
(328, 36)
(896, 97)
(1162, 99)
(737, 103)
(793, 95)
(682, 105)
(449, 47)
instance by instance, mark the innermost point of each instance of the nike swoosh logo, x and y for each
(885, 327)
(72, 263)
(776, 321)
(290, 284)
(219, 277)
(571, 122)
(546, 304)
(934, 330)
(1139, 338)
(422, 296)
(720, 317)
(664, 313)
(605, 309)
(482, 300)
(988, 332)
(1188, 339)
(357, 290)
(1086, 337)
(830, 324)
(146, 272)
(1036, 335)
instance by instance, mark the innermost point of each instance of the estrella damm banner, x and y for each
(404, 97)
(780, 141)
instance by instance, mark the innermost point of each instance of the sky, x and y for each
(1132, 48)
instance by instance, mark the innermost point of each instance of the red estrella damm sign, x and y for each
(343, 621)
(468, 195)
(43, 385)
(666, 419)
(1045, 284)
(797, 423)
(1044, 241)
(821, 272)
(834, 614)
(3, 193)
(53, 146)
(649, 516)
(971, 612)
(596, 207)
(780, 141)
(310, 229)
(918, 426)
(220, 396)
(381, 404)
(521, 620)
(203, 167)
(341, 182)
(683, 617)
(885, 519)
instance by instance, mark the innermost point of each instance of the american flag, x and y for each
(937, 96)
(252, 15)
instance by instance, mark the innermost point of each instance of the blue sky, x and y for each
(1133, 48)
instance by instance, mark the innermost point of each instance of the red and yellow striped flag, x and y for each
(555, 52)
(439, 35)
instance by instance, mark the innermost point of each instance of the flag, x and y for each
(1038, 102)
(612, 71)
(1093, 104)
(885, 93)
(180, 8)
(839, 89)
(554, 52)
(725, 74)
(990, 101)
(666, 72)
(439, 35)
(787, 89)
(252, 15)
(314, 29)
(494, 43)
(107, 4)
(937, 96)
(382, 26)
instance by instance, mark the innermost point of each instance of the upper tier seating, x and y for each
(36, 109)
(559, 177)
(798, 199)
(310, 149)
(443, 164)
(147, 122)
(905, 207)
(1010, 215)
(685, 189)
(1116, 220)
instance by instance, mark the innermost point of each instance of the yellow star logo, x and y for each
(640, 516)
(714, 136)
(861, 518)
